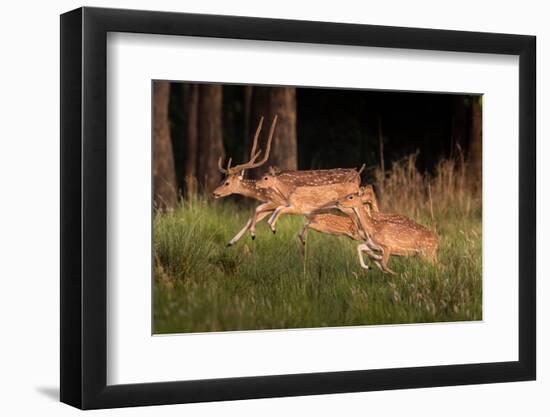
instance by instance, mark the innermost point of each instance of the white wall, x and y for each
(29, 236)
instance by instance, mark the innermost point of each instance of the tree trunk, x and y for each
(476, 148)
(459, 132)
(164, 175)
(211, 135)
(267, 102)
(247, 107)
(191, 97)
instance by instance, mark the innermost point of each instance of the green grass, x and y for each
(200, 285)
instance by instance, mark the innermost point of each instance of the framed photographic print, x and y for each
(258, 208)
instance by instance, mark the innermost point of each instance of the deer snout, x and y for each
(215, 195)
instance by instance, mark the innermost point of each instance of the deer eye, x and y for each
(350, 197)
(265, 178)
(227, 183)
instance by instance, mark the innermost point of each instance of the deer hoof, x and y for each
(274, 231)
(229, 245)
(253, 237)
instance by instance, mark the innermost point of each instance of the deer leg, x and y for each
(258, 215)
(376, 259)
(373, 256)
(360, 248)
(261, 211)
(385, 258)
(275, 216)
(258, 218)
(370, 248)
(248, 226)
(302, 234)
(241, 233)
(373, 246)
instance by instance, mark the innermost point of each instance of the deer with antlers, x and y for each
(391, 234)
(234, 182)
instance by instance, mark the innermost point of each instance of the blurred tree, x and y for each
(459, 132)
(191, 108)
(337, 128)
(476, 148)
(247, 104)
(164, 176)
(267, 102)
(210, 135)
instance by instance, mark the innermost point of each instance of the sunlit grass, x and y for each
(201, 285)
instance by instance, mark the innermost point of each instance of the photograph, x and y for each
(248, 208)
(292, 207)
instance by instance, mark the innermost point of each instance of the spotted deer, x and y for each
(306, 198)
(342, 225)
(235, 183)
(392, 234)
(322, 220)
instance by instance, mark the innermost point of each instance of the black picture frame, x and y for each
(84, 207)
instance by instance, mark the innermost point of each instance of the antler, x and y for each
(253, 154)
(222, 169)
(355, 174)
(256, 136)
(269, 139)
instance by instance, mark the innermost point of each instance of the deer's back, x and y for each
(309, 198)
(319, 176)
(402, 235)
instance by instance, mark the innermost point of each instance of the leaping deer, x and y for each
(393, 234)
(343, 225)
(322, 220)
(305, 199)
(234, 182)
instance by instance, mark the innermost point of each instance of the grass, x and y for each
(200, 285)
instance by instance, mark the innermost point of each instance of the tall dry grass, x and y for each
(449, 190)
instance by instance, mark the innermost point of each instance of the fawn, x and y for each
(393, 234)
(342, 225)
(306, 199)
